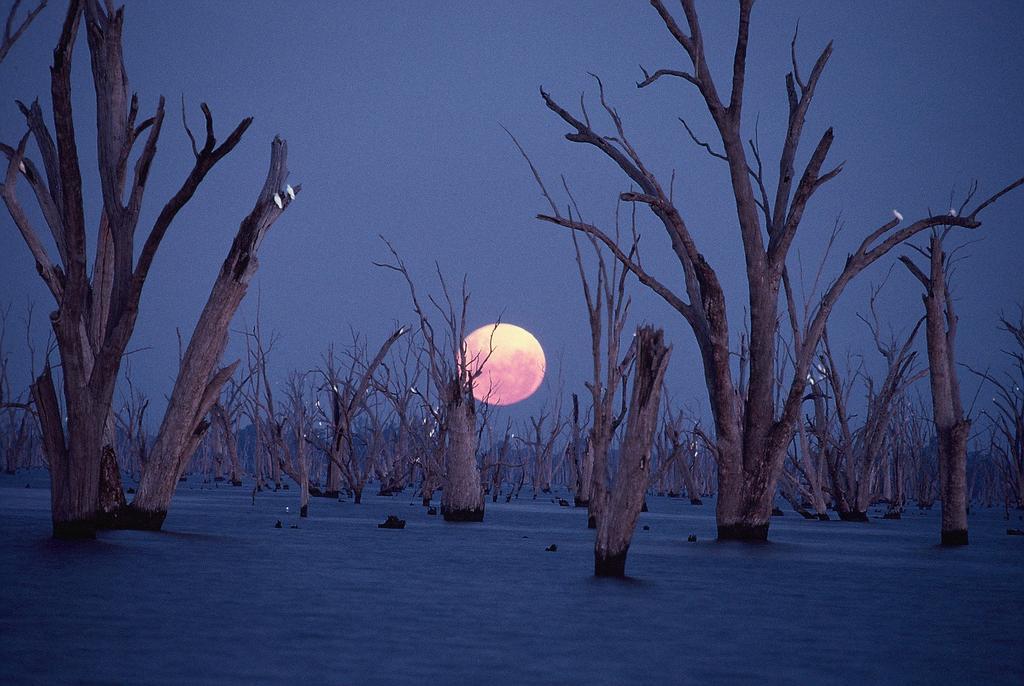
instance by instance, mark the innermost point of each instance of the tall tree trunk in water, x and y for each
(462, 499)
(303, 482)
(951, 427)
(686, 468)
(199, 382)
(626, 497)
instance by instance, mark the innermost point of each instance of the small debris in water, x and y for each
(392, 522)
(552, 548)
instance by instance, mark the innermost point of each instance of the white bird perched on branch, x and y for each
(278, 201)
(952, 212)
(896, 213)
(290, 191)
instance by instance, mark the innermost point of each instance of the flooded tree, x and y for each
(453, 373)
(1006, 420)
(97, 312)
(342, 399)
(952, 428)
(754, 424)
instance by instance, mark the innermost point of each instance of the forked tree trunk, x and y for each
(199, 382)
(97, 308)
(753, 429)
(462, 499)
(626, 498)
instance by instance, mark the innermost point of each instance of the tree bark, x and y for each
(951, 427)
(753, 429)
(462, 498)
(96, 309)
(626, 498)
(199, 384)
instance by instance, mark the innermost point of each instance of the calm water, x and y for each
(222, 596)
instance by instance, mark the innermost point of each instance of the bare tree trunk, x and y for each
(626, 499)
(691, 484)
(199, 384)
(584, 475)
(462, 499)
(951, 427)
(112, 501)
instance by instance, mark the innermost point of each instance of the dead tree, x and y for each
(854, 455)
(399, 381)
(13, 29)
(539, 439)
(626, 496)
(226, 415)
(344, 394)
(453, 372)
(291, 434)
(258, 394)
(680, 449)
(607, 310)
(752, 430)
(96, 313)
(1007, 420)
(952, 427)
(133, 444)
(17, 416)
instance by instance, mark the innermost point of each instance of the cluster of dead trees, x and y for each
(791, 415)
(758, 404)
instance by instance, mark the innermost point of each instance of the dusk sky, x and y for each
(393, 116)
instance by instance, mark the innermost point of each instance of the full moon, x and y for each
(515, 367)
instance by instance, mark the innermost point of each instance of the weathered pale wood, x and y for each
(626, 496)
(96, 312)
(753, 429)
(452, 373)
(462, 499)
(199, 382)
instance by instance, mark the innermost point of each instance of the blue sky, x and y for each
(392, 112)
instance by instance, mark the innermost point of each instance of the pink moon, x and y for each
(515, 367)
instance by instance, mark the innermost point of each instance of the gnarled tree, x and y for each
(752, 428)
(96, 312)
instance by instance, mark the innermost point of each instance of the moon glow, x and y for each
(515, 367)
